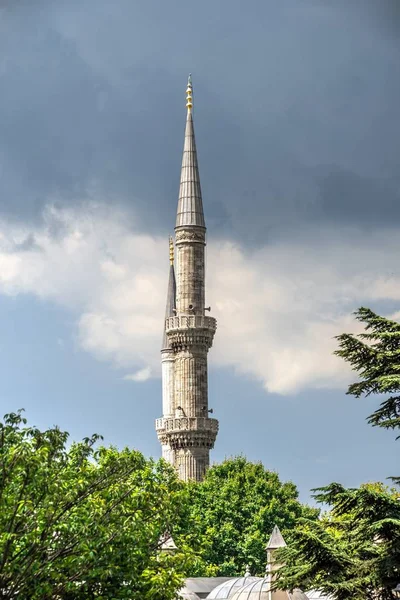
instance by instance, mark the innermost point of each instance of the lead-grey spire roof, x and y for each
(190, 205)
(276, 540)
(171, 304)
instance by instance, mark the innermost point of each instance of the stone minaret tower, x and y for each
(185, 430)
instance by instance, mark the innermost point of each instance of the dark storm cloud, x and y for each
(297, 109)
(344, 194)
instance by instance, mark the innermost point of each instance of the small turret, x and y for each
(276, 540)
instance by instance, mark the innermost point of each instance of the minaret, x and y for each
(167, 354)
(185, 431)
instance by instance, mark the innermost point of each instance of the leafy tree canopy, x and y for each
(375, 356)
(82, 522)
(231, 515)
(352, 552)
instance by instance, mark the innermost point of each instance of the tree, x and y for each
(353, 552)
(83, 522)
(231, 514)
(375, 356)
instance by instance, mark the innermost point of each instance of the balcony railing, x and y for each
(190, 322)
(187, 424)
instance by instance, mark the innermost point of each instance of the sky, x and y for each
(298, 137)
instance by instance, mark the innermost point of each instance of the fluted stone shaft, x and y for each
(191, 390)
(168, 454)
(190, 270)
(192, 463)
(168, 377)
(191, 336)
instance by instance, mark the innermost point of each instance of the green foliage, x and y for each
(82, 522)
(375, 355)
(231, 515)
(352, 552)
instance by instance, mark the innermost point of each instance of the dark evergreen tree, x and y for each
(353, 551)
(375, 356)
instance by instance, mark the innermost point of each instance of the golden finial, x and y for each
(189, 93)
(171, 250)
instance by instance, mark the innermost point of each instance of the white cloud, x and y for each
(142, 375)
(278, 307)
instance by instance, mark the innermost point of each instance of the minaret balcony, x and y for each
(185, 432)
(191, 322)
(188, 330)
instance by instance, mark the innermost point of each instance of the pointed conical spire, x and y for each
(167, 543)
(276, 540)
(247, 571)
(190, 205)
(171, 294)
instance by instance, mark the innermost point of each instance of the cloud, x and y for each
(91, 260)
(318, 138)
(278, 307)
(142, 375)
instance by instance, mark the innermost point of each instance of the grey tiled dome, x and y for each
(186, 594)
(317, 595)
(260, 590)
(230, 587)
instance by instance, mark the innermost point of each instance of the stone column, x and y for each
(190, 272)
(191, 393)
(192, 463)
(191, 433)
(168, 377)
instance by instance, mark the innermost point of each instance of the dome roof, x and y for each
(186, 594)
(228, 588)
(317, 595)
(260, 590)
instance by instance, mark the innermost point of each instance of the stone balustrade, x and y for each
(183, 433)
(186, 331)
(172, 424)
(180, 322)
